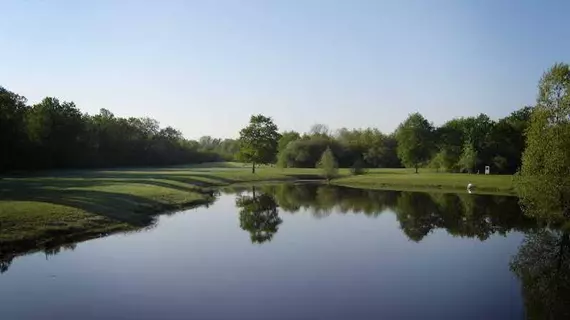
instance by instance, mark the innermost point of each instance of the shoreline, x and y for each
(41, 212)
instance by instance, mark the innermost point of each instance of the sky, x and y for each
(204, 67)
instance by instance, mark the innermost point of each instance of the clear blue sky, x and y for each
(205, 66)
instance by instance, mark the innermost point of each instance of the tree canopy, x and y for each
(259, 141)
(56, 134)
(544, 180)
(69, 138)
(415, 140)
(328, 164)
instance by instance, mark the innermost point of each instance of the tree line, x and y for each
(56, 134)
(466, 144)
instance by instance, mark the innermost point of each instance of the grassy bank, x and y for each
(407, 180)
(42, 209)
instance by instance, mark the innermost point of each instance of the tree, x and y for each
(507, 140)
(358, 167)
(13, 140)
(319, 129)
(57, 130)
(259, 141)
(468, 159)
(67, 138)
(544, 180)
(438, 161)
(306, 153)
(415, 142)
(450, 141)
(328, 165)
(286, 138)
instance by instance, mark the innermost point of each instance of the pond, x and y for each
(303, 251)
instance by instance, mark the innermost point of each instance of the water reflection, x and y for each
(419, 214)
(55, 242)
(5, 264)
(543, 266)
(258, 215)
(542, 263)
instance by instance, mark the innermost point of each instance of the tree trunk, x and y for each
(253, 191)
(416, 168)
(253, 167)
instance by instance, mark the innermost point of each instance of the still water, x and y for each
(305, 252)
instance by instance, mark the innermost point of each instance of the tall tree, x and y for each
(468, 159)
(13, 140)
(57, 130)
(328, 164)
(415, 140)
(259, 141)
(544, 180)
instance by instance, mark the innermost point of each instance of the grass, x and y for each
(39, 209)
(53, 207)
(427, 180)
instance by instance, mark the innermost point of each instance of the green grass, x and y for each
(56, 206)
(427, 180)
(36, 210)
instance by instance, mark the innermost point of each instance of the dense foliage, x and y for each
(459, 145)
(415, 140)
(226, 148)
(374, 148)
(544, 181)
(327, 164)
(55, 134)
(258, 141)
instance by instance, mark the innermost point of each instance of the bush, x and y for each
(357, 168)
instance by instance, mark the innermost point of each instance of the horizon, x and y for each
(204, 68)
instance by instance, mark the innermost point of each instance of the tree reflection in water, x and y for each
(542, 263)
(461, 215)
(258, 215)
(5, 264)
(543, 266)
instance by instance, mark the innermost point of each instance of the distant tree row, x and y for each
(55, 134)
(369, 146)
(459, 145)
(464, 144)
